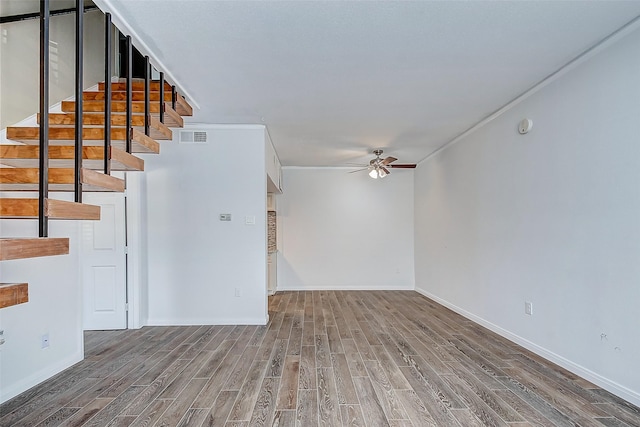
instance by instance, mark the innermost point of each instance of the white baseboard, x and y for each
(611, 386)
(209, 321)
(12, 390)
(345, 288)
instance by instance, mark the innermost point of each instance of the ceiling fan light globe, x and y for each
(382, 173)
(373, 174)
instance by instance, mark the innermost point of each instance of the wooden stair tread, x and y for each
(13, 294)
(171, 117)
(60, 179)
(157, 129)
(91, 136)
(63, 156)
(54, 209)
(121, 95)
(182, 106)
(20, 248)
(136, 85)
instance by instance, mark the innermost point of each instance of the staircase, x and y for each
(19, 163)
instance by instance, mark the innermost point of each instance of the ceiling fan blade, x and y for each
(405, 166)
(358, 170)
(388, 160)
(385, 170)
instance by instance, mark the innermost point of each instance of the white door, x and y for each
(104, 262)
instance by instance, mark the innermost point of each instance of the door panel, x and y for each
(104, 264)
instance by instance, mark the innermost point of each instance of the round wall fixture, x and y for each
(525, 126)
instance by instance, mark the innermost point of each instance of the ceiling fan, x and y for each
(379, 167)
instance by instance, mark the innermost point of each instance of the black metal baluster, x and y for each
(107, 94)
(79, 103)
(147, 101)
(129, 54)
(43, 183)
(174, 97)
(161, 97)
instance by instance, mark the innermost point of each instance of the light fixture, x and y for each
(377, 171)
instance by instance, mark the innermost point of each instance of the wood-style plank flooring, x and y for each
(376, 358)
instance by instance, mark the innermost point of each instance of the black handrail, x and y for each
(129, 54)
(107, 93)
(43, 180)
(79, 100)
(147, 101)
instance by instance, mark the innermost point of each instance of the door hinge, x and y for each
(126, 306)
(126, 250)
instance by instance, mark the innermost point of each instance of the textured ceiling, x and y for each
(334, 79)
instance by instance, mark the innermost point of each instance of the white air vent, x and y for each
(193, 137)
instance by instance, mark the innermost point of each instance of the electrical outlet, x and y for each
(528, 308)
(44, 340)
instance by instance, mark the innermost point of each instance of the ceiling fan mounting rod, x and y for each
(377, 152)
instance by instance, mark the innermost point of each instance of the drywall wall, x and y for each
(55, 303)
(202, 270)
(345, 231)
(551, 217)
(19, 62)
(54, 307)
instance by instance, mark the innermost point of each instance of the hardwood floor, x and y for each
(379, 358)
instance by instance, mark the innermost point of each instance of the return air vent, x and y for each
(193, 137)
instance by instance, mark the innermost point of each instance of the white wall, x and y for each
(19, 63)
(345, 231)
(551, 217)
(196, 262)
(55, 294)
(54, 307)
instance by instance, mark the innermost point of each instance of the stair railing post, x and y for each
(161, 97)
(147, 101)
(129, 74)
(107, 94)
(79, 89)
(43, 183)
(174, 97)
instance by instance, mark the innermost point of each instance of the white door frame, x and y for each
(136, 260)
